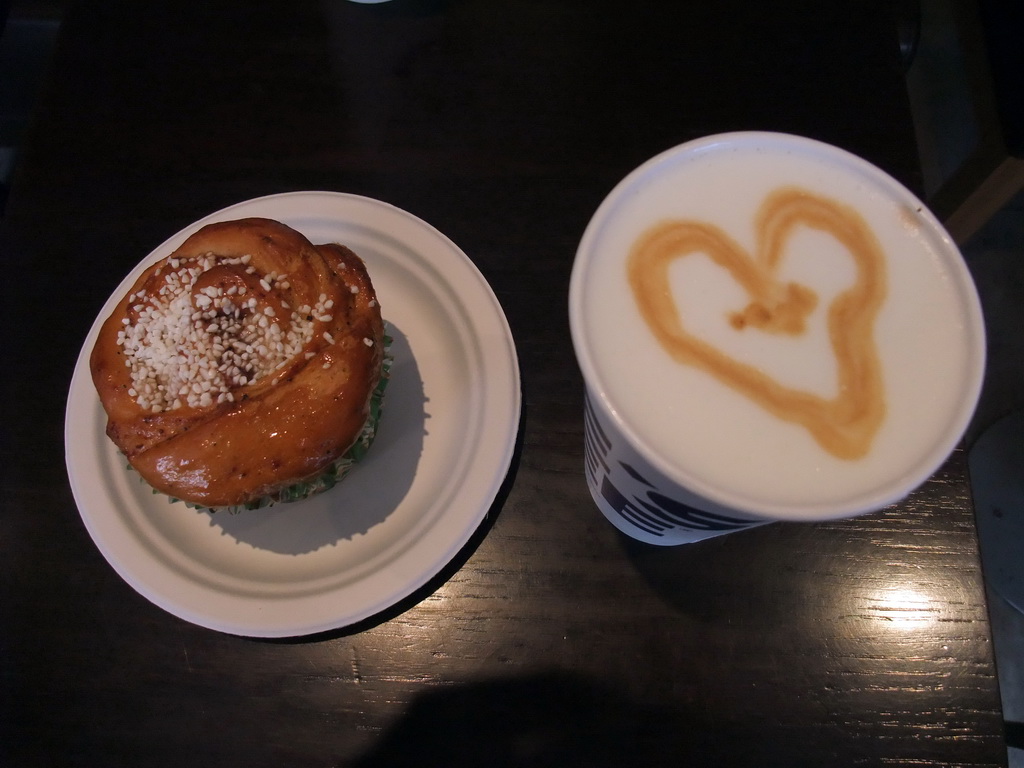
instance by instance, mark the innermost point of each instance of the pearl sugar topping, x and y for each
(194, 348)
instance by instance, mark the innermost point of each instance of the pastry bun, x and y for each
(243, 365)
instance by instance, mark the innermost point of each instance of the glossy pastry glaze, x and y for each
(272, 421)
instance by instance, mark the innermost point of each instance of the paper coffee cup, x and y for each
(769, 329)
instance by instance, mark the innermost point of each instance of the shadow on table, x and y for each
(548, 719)
(713, 579)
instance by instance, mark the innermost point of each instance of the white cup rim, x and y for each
(871, 500)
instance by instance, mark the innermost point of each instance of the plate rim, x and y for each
(502, 357)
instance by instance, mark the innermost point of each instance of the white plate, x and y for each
(443, 448)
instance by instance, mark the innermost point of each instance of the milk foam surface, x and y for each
(711, 438)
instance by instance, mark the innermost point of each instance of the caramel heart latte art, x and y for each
(844, 425)
(769, 328)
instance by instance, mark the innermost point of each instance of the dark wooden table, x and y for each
(551, 639)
